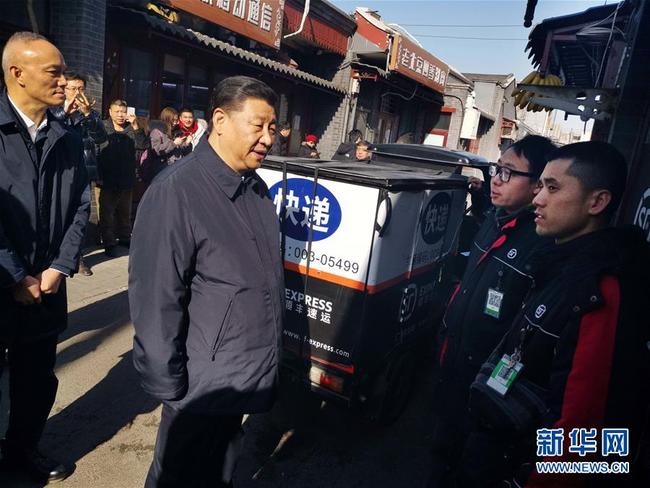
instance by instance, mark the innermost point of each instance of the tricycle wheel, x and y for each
(397, 383)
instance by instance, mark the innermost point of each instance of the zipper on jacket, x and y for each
(222, 331)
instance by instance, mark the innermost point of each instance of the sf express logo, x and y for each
(642, 216)
(305, 209)
(407, 304)
(435, 218)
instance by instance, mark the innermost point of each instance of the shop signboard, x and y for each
(260, 20)
(410, 60)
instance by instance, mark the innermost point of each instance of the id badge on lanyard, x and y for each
(508, 368)
(493, 303)
(504, 374)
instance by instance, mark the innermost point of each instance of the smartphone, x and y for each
(130, 110)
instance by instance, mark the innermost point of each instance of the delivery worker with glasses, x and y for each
(487, 298)
(505, 172)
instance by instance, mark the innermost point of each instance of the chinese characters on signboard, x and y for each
(414, 62)
(260, 20)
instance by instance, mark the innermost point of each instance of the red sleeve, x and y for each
(443, 347)
(587, 384)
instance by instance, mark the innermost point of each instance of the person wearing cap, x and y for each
(308, 147)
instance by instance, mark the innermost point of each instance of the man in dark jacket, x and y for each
(78, 114)
(489, 295)
(281, 144)
(206, 291)
(347, 150)
(308, 147)
(116, 172)
(582, 335)
(44, 204)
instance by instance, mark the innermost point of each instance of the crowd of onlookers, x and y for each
(125, 152)
(543, 345)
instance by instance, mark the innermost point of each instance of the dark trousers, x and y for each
(449, 434)
(197, 451)
(115, 215)
(32, 390)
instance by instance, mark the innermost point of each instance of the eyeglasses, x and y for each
(75, 88)
(505, 173)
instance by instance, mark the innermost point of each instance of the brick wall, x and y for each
(332, 135)
(456, 88)
(331, 120)
(78, 29)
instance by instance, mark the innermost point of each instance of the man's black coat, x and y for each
(44, 206)
(206, 288)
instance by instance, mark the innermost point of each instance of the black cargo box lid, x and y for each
(393, 177)
(423, 155)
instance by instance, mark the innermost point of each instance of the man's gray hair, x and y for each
(24, 36)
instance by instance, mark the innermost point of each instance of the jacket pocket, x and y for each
(221, 331)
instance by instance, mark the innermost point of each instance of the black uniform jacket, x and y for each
(498, 261)
(44, 206)
(585, 334)
(206, 287)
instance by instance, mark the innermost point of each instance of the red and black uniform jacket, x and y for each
(587, 339)
(498, 260)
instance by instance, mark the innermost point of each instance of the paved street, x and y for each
(104, 423)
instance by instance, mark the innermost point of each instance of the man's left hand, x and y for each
(50, 280)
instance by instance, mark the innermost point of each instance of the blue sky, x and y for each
(477, 56)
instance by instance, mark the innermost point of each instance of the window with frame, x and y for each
(198, 91)
(138, 76)
(172, 82)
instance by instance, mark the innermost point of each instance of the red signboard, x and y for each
(409, 59)
(260, 20)
(371, 32)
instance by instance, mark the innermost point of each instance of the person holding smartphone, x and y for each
(77, 112)
(189, 127)
(169, 146)
(116, 176)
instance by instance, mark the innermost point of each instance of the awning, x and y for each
(327, 26)
(486, 115)
(575, 44)
(193, 36)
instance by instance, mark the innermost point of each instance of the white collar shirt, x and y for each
(32, 129)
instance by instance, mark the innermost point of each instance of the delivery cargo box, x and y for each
(362, 249)
(420, 155)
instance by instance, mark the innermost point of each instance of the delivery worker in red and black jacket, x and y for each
(489, 295)
(582, 334)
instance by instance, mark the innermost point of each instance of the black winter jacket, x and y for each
(280, 146)
(498, 260)
(586, 335)
(346, 152)
(117, 158)
(206, 287)
(306, 151)
(43, 213)
(92, 132)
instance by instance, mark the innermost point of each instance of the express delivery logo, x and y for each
(435, 218)
(642, 215)
(304, 208)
